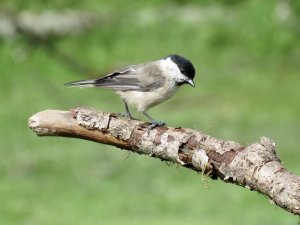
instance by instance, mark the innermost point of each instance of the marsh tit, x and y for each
(146, 85)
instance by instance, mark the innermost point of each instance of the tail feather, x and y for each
(112, 83)
(81, 83)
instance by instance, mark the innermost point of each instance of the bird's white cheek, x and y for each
(170, 69)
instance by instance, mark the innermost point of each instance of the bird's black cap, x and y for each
(186, 67)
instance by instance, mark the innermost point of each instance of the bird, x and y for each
(146, 85)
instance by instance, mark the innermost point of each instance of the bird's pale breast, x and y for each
(142, 101)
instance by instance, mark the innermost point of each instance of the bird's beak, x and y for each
(191, 82)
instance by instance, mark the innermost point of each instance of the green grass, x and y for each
(247, 86)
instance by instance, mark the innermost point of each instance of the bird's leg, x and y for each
(127, 110)
(154, 123)
(127, 113)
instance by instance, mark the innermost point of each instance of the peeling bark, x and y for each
(255, 166)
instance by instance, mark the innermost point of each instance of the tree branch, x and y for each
(255, 166)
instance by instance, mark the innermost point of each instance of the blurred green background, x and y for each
(247, 58)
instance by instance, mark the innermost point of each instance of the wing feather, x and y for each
(143, 77)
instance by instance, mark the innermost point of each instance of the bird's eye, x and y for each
(182, 71)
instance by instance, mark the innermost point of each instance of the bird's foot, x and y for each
(126, 114)
(155, 124)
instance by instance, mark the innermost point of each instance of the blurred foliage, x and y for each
(247, 57)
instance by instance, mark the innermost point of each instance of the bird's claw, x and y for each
(125, 114)
(156, 124)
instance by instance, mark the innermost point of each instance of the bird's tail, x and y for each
(82, 83)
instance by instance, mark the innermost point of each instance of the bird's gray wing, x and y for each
(142, 77)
